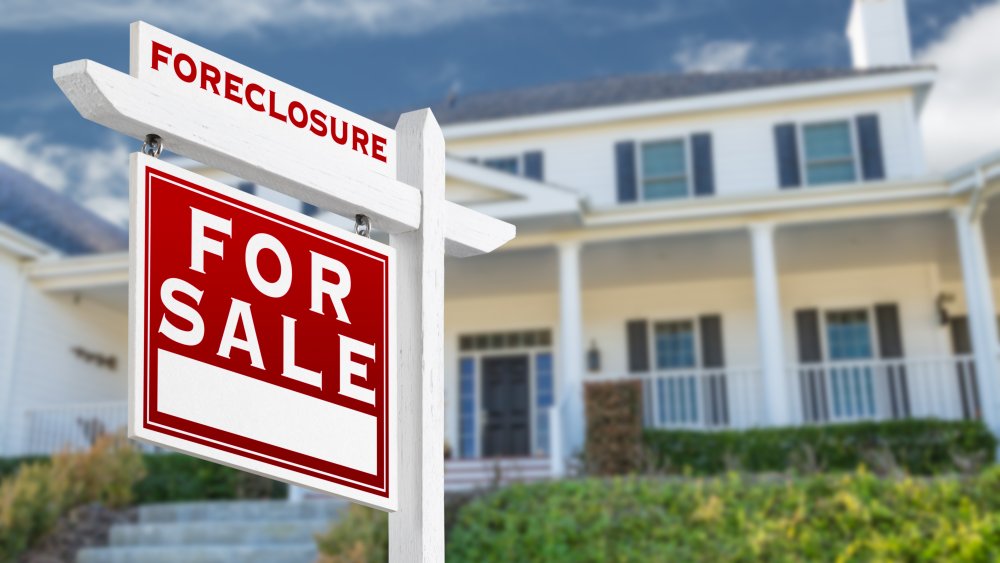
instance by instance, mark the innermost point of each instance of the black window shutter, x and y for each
(961, 339)
(534, 165)
(870, 147)
(625, 166)
(812, 382)
(701, 159)
(787, 149)
(309, 209)
(890, 343)
(637, 332)
(712, 355)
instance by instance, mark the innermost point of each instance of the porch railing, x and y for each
(52, 428)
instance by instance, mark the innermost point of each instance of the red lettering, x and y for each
(342, 139)
(318, 126)
(182, 58)
(378, 146)
(300, 123)
(233, 84)
(251, 88)
(273, 113)
(360, 138)
(158, 50)
(210, 76)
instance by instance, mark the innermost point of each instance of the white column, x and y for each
(769, 333)
(981, 312)
(570, 358)
(416, 532)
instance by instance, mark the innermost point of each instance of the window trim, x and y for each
(695, 330)
(641, 177)
(801, 126)
(872, 334)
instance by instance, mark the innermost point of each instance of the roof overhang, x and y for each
(80, 272)
(529, 199)
(22, 245)
(918, 79)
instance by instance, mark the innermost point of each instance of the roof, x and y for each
(620, 90)
(53, 218)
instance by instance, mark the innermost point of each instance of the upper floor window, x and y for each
(506, 164)
(829, 153)
(664, 170)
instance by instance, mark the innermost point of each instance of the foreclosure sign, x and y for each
(261, 338)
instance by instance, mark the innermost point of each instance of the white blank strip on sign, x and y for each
(249, 407)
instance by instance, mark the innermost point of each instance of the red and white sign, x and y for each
(261, 338)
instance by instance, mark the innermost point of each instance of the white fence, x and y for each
(75, 427)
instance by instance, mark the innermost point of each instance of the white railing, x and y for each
(842, 391)
(53, 428)
(700, 398)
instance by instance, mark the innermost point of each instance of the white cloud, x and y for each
(219, 17)
(96, 177)
(714, 56)
(962, 116)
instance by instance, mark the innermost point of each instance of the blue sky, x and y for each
(375, 55)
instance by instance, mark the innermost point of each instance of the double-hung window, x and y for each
(829, 153)
(664, 170)
(675, 345)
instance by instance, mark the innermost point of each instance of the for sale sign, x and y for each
(261, 338)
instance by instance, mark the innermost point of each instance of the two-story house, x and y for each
(758, 248)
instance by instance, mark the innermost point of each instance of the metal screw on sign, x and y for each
(363, 225)
(152, 145)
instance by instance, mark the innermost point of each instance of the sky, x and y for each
(372, 56)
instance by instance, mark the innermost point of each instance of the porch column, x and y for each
(570, 397)
(981, 311)
(769, 333)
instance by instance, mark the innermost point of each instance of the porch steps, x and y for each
(220, 532)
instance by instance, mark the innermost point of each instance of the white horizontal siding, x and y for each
(743, 143)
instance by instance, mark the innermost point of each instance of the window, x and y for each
(544, 399)
(467, 407)
(505, 340)
(675, 347)
(829, 153)
(505, 164)
(849, 339)
(848, 335)
(664, 170)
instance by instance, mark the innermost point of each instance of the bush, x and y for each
(362, 536)
(919, 446)
(847, 517)
(614, 427)
(33, 498)
(179, 477)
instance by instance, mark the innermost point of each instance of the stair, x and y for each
(219, 532)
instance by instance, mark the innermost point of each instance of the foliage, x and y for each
(178, 477)
(34, 497)
(361, 536)
(845, 517)
(918, 446)
(614, 427)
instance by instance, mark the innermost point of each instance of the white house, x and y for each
(759, 248)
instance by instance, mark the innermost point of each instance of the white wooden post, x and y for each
(769, 333)
(570, 397)
(416, 532)
(981, 310)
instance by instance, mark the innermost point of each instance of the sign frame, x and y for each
(221, 452)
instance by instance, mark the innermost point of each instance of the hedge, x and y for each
(836, 517)
(918, 446)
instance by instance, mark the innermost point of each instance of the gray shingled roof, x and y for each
(53, 218)
(621, 90)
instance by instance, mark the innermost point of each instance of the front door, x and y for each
(506, 406)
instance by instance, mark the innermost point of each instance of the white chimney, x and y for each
(879, 33)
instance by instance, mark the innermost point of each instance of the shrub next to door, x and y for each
(266, 335)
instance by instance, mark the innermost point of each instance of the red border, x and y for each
(243, 446)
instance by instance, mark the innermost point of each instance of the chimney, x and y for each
(879, 33)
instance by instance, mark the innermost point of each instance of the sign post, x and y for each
(197, 371)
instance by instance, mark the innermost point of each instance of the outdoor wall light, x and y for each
(942, 301)
(593, 358)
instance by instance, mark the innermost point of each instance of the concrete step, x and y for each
(241, 511)
(218, 533)
(293, 553)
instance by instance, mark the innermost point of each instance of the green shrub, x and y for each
(846, 517)
(34, 497)
(362, 536)
(918, 446)
(179, 477)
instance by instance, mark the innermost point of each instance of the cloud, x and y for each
(221, 17)
(962, 116)
(97, 177)
(714, 56)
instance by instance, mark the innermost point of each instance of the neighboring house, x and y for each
(759, 248)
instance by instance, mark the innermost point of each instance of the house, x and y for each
(758, 248)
